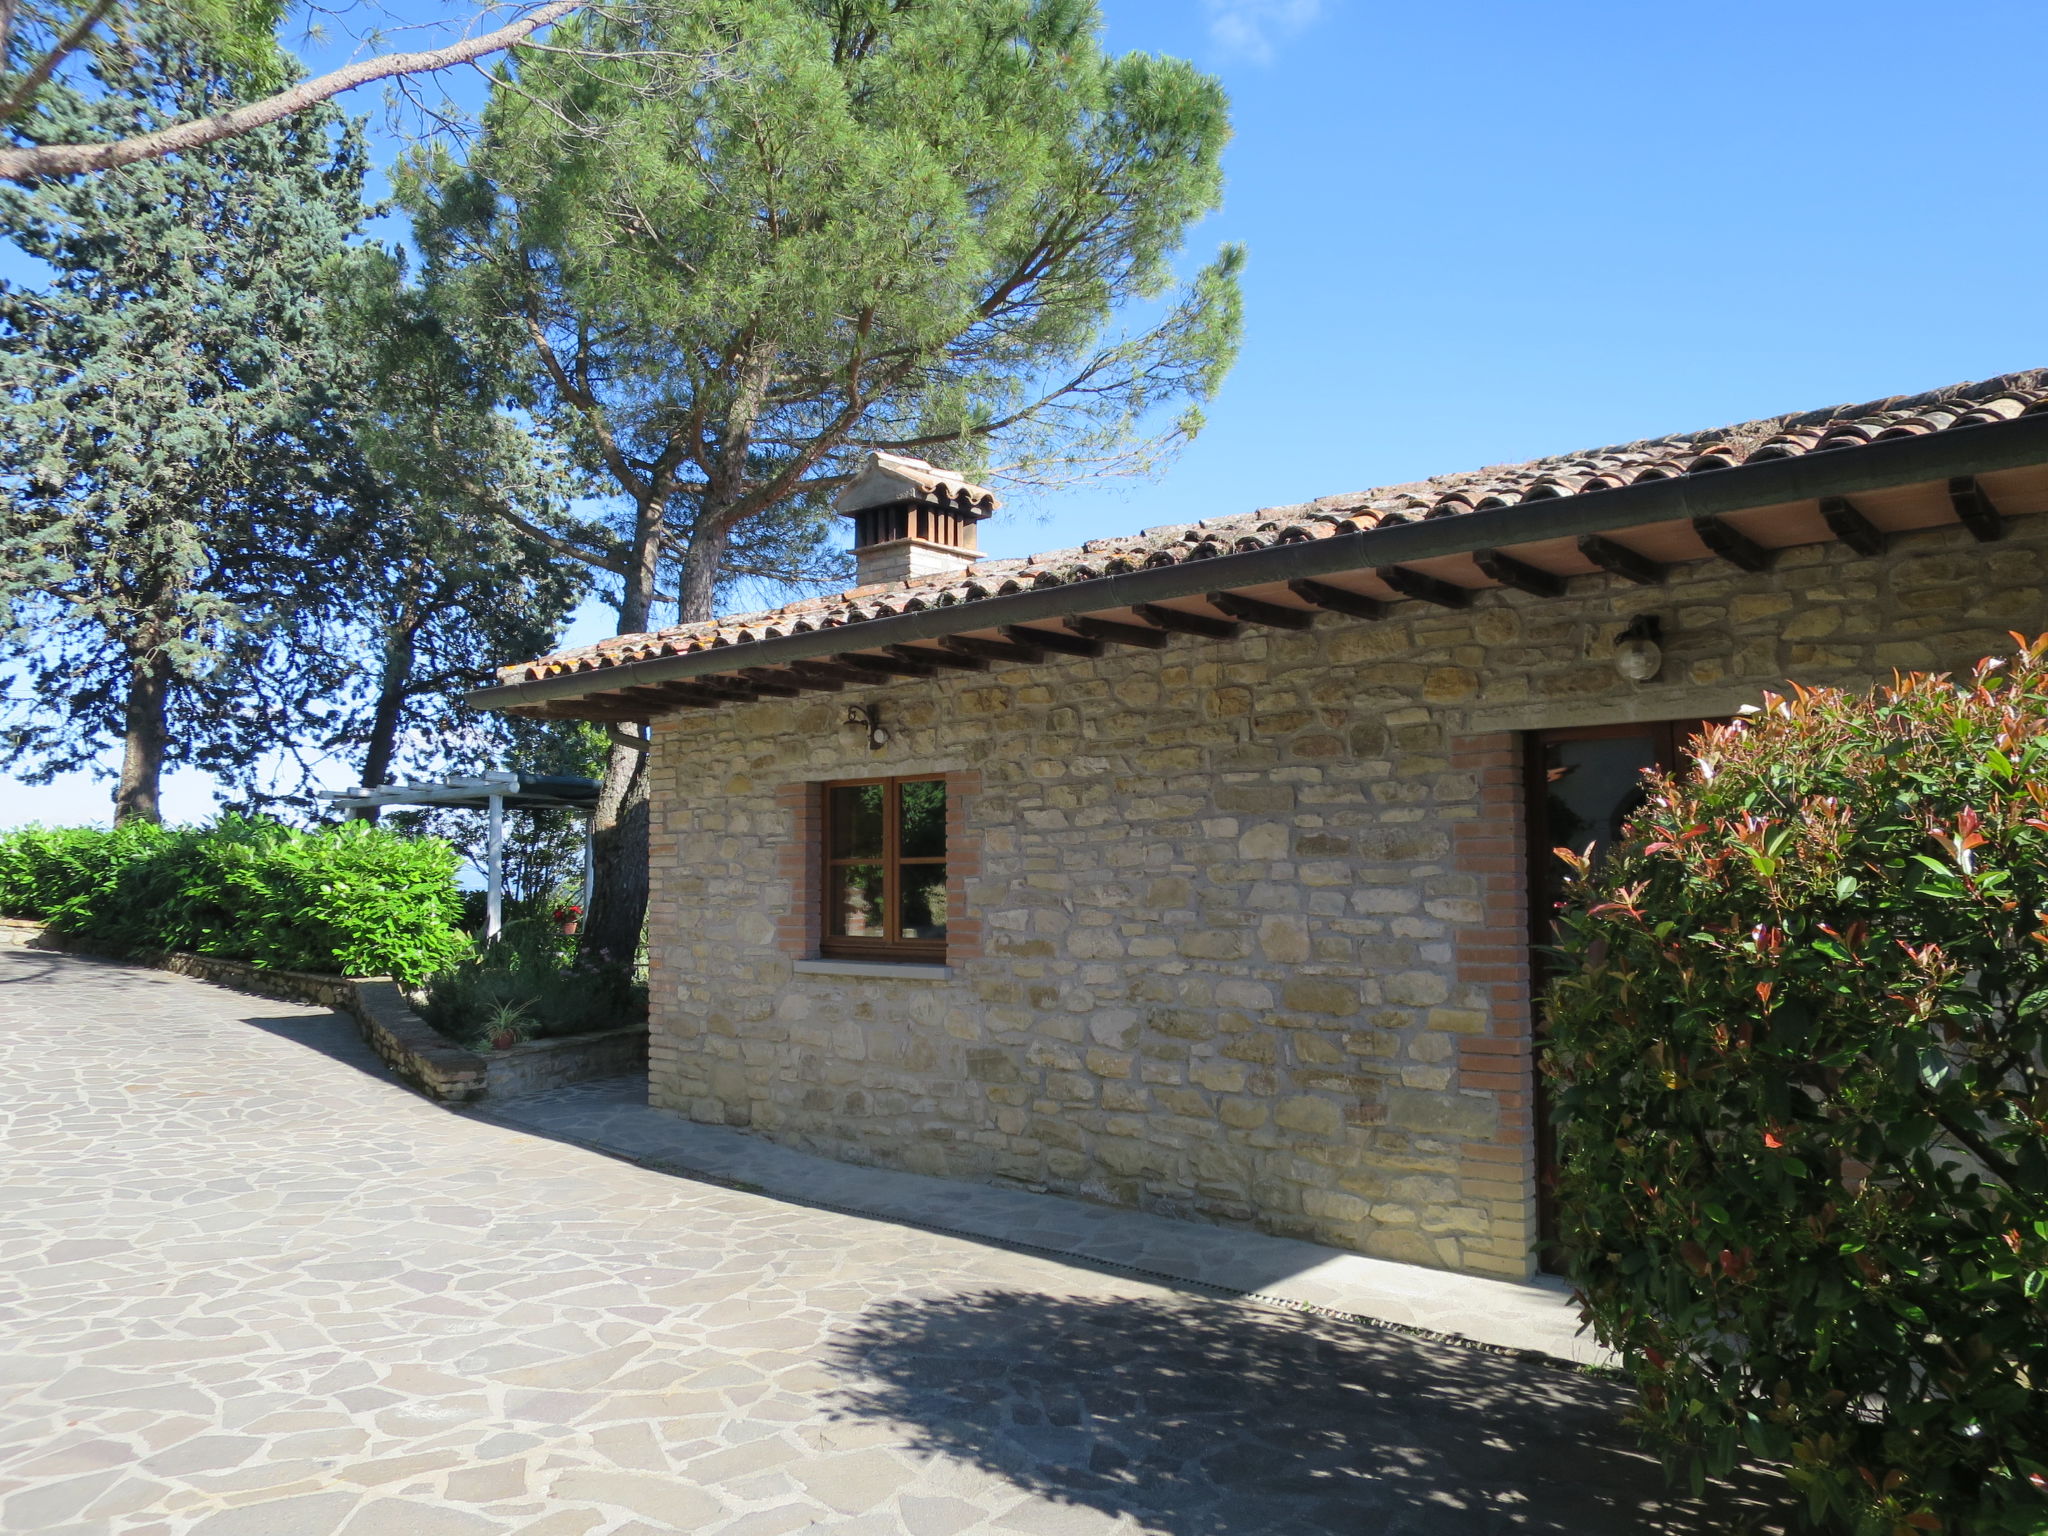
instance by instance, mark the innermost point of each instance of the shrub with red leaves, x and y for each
(1797, 1055)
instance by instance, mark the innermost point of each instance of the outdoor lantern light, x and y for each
(869, 719)
(1637, 655)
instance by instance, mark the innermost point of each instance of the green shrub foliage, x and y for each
(64, 875)
(352, 899)
(1797, 1053)
(531, 984)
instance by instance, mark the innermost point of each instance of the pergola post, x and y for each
(494, 870)
(494, 792)
(589, 861)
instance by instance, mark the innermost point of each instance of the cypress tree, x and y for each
(169, 433)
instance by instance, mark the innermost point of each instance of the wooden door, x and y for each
(1584, 784)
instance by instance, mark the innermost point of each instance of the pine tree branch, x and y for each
(574, 388)
(498, 507)
(18, 99)
(40, 162)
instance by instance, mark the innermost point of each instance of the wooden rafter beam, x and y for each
(1180, 622)
(695, 693)
(1621, 560)
(925, 656)
(802, 677)
(1974, 509)
(1060, 640)
(896, 666)
(1254, 611)
(1424, 587)
(614, 709)
(746, 688)
(1733, 545)
(841, 672)
(1112, 633)
(779, 688)
(723, 683)
(992, 650)
(1497, 565)
(1852, 527)
(1338, 599)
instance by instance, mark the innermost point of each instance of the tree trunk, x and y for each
(618, 827)
(698, 583)
(144, 740)
(399, 650)
(618, 849)
(618, 823)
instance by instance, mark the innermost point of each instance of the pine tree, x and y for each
(723, 248)
(168, 424)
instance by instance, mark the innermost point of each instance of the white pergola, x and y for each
(496, 790)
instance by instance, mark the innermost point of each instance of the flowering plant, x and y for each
(1799, 1049)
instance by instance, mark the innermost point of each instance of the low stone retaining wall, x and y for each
(539, 1064)
(401, 1038)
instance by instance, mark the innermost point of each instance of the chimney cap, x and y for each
(891, 478)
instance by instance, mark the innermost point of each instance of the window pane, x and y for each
(857, 821)
(857, 911)
(924, 819)
(924, 900)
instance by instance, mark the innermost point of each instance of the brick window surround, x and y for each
(1491, 959)
(800, 866)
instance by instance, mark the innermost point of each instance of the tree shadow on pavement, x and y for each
(1196, 1417)
(333, 1034)
(46, 972)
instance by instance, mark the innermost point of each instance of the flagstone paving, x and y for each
(249, 1286)
(612, 1115)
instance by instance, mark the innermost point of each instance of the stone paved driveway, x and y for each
(251, 1287)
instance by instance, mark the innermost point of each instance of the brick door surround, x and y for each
(1491, 963)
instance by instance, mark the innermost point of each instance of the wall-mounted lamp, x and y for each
(869, 719)
(1638, 656)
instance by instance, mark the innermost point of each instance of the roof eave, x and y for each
(1807, 477)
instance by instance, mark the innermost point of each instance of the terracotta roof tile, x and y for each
(1849, 426)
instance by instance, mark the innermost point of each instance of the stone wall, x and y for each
(1252, 927)
(536, 1065)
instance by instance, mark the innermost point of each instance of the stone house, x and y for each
(1193, 869)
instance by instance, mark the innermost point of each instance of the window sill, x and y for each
(883, 970)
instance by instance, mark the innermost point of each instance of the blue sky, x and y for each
(1484, 231)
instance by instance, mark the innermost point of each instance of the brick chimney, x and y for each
(911, 518)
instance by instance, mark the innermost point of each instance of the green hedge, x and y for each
(353, 899)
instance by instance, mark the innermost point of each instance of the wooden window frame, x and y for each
(843, 947)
